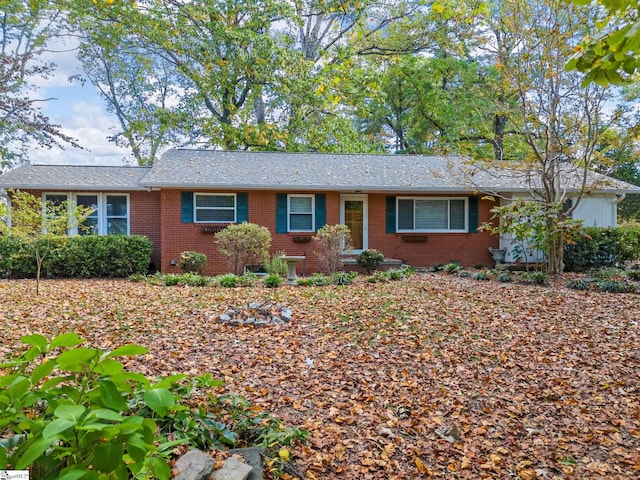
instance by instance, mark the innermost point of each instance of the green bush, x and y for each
(633, 274)
(614, 286)
(69, 411)
(480, 276)
(273, 280)
(193, 262)
(452, 268)
(276, 264)
(343, 278)
(244, 244)
(378, 277)
(538, 278)
(464, 274)
(579, 284)
(504, 277)
(370, 260)
(116, 256)
(229, 280)
(194, 280)
(603, 247)
(248, 279)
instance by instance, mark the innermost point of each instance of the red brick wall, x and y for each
(144, 211)
(468, 248)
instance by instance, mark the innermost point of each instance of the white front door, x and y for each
(354, 214)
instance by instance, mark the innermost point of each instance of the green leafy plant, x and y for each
(633, 275)
(193, 262)
(464, 274)
(370, 260)
(538, 278)
(504, 276)
(579, 284)
(276, 264)
(483, 275)
(378, 277)
(343, 278)
(614, 286)
(273, 280)
(67, 408)
(244, 244)
(229, 280)
(248, 279)
(452, 268)
(331, 241)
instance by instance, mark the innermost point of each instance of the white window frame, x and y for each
(433, 230)
(102, 208)
(312, 212)
(196, 208)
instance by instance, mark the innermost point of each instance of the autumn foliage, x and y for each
(433, 376)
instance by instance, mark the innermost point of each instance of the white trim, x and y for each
(313, 211)
(204, 194)
(427, 230)
(365, 220)
(102, 208)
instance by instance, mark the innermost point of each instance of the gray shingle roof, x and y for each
(209, 169)
(74, 177)
(188, 168)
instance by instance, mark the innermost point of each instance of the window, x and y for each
(432, 215)
(109, 212)
(90, 225)
(300, 213)
(215, 208)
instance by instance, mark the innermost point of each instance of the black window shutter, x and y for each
(473, 214)
(186, 207)
(242, 207)
(391, 215)
(281, 213)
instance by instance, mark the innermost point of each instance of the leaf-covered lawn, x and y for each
(433, 376)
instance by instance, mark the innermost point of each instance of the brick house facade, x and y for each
(421, 210)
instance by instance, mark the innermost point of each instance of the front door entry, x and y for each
(353, 214)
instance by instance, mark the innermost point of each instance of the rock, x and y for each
(286, 314)
(253, 457)
(254, 305)
(261, 323)
(236, 322)
(194, 465)
(277, 321)
(224, 318)
(250, 321)
(233, 469)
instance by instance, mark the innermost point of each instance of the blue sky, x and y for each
(80, 112)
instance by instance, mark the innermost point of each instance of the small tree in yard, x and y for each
(331, 241)
(36, 223)
(244, 244)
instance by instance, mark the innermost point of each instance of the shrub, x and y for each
(276, 264)
(229, 280)
(343, 278)
(69, 411)
(633, 275)
(249, 279)
(370, 260)
(452, 268)
(273, 280)
(539, 278)
(320, 279)
(194, 280)
(397, 274)
(116, 256)
(614, 286)
(378, 277)
(193, 262)
(244, 244)
(331, 241)
(504, 277)
(480, 276)
(605, 273)
(464, 274)
(579, 284)
(603, 247)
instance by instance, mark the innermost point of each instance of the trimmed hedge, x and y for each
(80, 256)
(603, 247)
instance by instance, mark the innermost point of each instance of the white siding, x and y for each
(599, 210)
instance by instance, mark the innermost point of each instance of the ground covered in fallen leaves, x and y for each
(433, 376)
